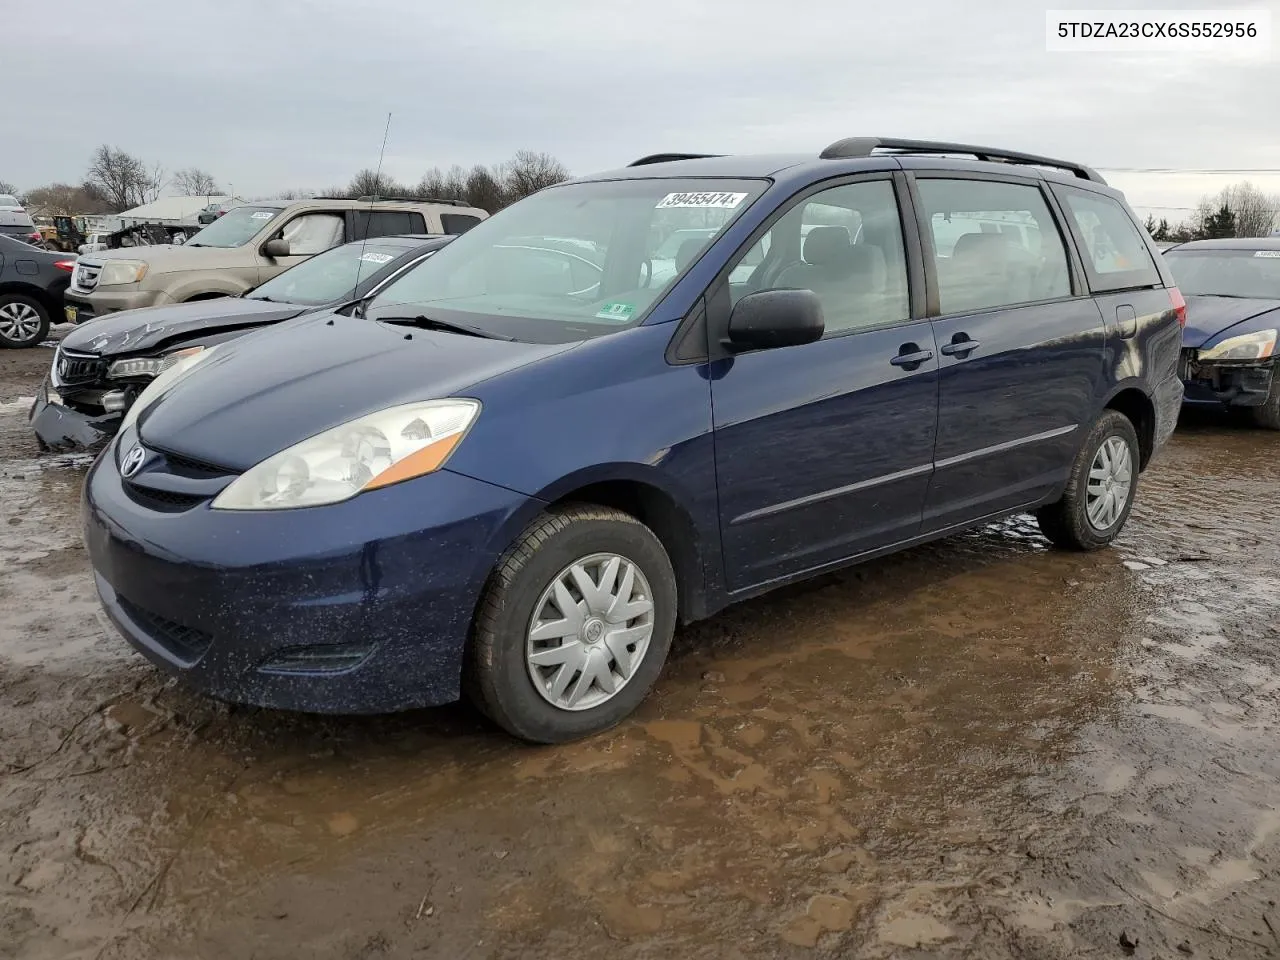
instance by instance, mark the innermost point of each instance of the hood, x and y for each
(1208, 318)
(260, 394)
(174, 258)
(132, 330)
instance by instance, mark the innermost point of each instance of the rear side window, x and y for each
(387, 223)
(994, 244)
(456, 223)
(1115, 254)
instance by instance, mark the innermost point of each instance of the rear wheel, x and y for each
(1100, 491)
(574, 626)
(24, 322)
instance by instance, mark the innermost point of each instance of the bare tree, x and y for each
(1255, 211)
(528, 172)
(371, 183)
(65, 199)
(8, 188)
(484, 189)
(194, 182)
(123, 179)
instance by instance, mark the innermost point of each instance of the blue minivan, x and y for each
(515, 469)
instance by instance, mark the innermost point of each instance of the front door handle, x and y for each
(910, 356)
(960, 346)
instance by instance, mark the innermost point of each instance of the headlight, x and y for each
(1247, 346)
(370, 452)
(115, 272)
(161, 384)
(147, 366)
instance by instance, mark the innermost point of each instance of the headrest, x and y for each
(977, 244)
(827, 245)
(688, 251)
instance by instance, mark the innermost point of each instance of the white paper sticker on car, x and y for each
(1267, 253)
(261, 215)
(725, 201)
(376, 257)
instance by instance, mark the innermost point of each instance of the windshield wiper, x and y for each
(424, 322)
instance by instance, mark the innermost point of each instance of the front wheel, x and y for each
(24, 322)
(1268, 415)
(1100, 491)
(574, 626)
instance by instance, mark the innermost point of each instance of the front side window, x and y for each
(234, 228)
(328, 277)
(1114, 247)
(572, 261)
(314, 233)
(1253, 274)
(844, 244)
(994, 244)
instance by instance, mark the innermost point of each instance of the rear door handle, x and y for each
(959, 346)
(910, 357)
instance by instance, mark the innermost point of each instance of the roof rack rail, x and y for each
(864, 146)
(668, 157)
(375, 199)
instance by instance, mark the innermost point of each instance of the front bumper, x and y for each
(108, 300)
(1233, 384)
(59, 427)
(358, 607)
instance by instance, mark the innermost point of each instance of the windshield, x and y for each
(330, 276)
(571, 262)
(234, 228)
(1226, 273)
(8, 201)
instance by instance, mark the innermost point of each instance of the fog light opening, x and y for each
(115, 401)
(320, 658)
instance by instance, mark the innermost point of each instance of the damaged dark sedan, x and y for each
(1229, 354)
(100, 368)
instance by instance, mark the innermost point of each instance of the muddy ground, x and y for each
(981, 748)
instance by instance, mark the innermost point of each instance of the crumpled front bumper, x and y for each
(1234, 384)
(59, 427)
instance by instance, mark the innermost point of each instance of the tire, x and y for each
(523, 585)
(24, 321)
(1267, 416)
(1067, 523)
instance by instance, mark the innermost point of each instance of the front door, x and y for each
(1020, 354)
(824, 451)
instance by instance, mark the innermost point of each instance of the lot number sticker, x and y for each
(376, 257)
(261, 215)
(1275, 254)
(723, 201)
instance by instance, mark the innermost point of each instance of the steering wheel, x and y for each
(646, 271)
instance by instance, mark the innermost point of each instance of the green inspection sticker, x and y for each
(618, 312)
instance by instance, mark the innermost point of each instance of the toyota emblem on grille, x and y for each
(132, 461)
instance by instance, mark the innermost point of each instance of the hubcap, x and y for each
(589, 631)
(19, 322)
(1110, 483)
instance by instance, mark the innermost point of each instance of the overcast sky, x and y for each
(295, 93)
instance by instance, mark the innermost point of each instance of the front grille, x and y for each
(1186, 361)
(161, 499)
(184, 643)
(84, 278)
(78, 368)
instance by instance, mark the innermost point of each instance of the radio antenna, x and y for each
(373, 199)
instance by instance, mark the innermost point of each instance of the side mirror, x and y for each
(775, 318)
(278, 247)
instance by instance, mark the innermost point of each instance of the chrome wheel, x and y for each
(589, 631)
(19, 322)
(1110, 484)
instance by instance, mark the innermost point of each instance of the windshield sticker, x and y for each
(1275, 254)
(376, 257)
(724, 201)
(261, 215)
(617, 312)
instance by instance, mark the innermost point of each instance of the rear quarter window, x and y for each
(1115, 253)
(457, 223)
